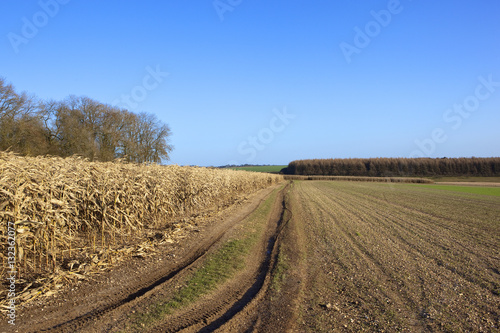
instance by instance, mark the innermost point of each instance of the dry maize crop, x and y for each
(68, 214)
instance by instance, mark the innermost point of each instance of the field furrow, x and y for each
(395, 264)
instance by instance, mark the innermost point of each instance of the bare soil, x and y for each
(387, 258)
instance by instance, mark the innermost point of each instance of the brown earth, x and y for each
(390, 258)
(333, 257)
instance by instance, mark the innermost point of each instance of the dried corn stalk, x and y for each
(60, 206)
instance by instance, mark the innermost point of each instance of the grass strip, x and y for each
(493, 191)
(217, 269)
(471, 179)
(280, 271)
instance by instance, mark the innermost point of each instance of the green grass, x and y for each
(217, 269)
(467, 179)
(494, 191)
(264, 168)
(280, 271)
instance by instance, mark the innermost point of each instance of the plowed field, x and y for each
(398, 258)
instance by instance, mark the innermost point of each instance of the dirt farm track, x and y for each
(317, 256)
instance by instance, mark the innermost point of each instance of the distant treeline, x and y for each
(79, 126)
(363, 179)
(396, 167)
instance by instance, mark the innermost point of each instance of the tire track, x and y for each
(223, 306)
(81, 321)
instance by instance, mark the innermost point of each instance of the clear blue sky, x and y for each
(353, 78)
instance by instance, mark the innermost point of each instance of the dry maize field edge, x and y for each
(76, 222)
(195, 255)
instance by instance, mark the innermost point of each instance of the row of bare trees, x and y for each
(79, 126)
(389, 167)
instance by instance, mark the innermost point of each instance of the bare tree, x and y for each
(145, 139)
(81, 126)
(20, 127)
